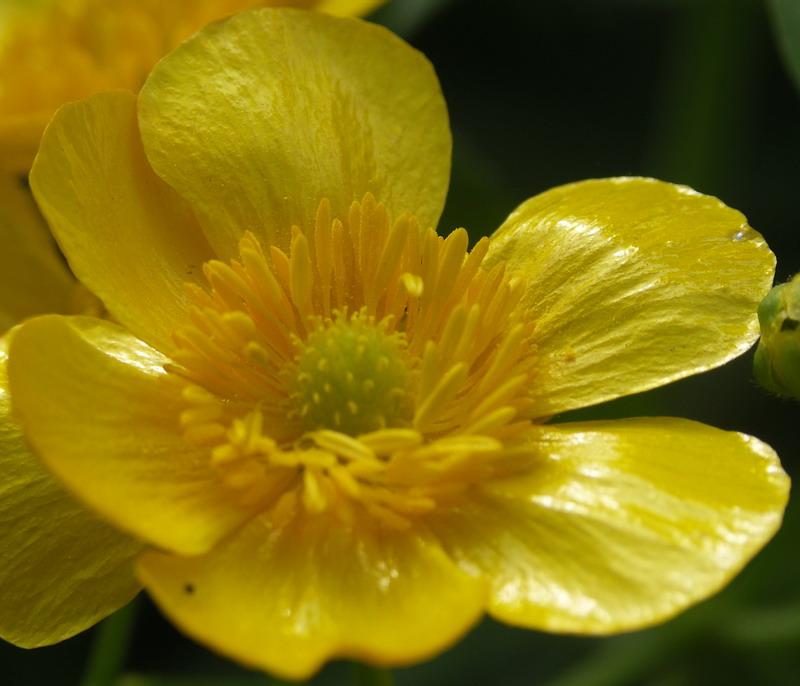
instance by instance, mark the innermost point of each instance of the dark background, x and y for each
(544, 92)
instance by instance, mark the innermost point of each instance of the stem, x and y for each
(364, 675)
(110, 647)
(707, 94)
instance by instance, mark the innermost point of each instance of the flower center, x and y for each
(373, 369)
(352, 376)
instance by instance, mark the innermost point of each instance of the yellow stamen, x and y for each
(374, 368)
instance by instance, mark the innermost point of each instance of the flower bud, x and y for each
(777, 360)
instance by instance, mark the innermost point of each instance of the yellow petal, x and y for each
(633, 283)
(96, 405)
(35, 278)
(126, 234)
(257, 118)
(620, 525)
(287, 600)
(63, 568)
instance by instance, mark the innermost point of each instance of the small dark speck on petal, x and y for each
(188, 589)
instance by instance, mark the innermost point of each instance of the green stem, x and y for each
(110, 647)
(706, 94)
(364, 675)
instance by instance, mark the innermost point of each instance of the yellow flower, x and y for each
(56, 51)
(325, 423)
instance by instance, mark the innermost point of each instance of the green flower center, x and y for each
(352, 376)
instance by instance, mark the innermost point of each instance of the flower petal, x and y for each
(99, 410)
(288, 599)
(255, 119)
(63, 568)
(633, 283)
(619, 525)
(35, 278)
(126, 234)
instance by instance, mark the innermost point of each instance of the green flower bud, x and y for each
(777, 361)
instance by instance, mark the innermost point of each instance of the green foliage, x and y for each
(786, 19)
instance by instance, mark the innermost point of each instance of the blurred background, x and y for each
(544, 92)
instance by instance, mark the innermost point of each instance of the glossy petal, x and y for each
(126, 234)
(633, 283)
(619, 525)
(286, 600)
(63, 569)
(35, 278)
(96, 405)
(256, 119)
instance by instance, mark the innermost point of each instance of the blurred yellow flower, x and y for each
(323, 422)
(57, 51)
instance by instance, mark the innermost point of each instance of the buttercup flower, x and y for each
(56, 51)
(322, 423)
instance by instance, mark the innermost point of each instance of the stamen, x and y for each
(443, 392)
(373, 370)
(300, 271)
(323, 243)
